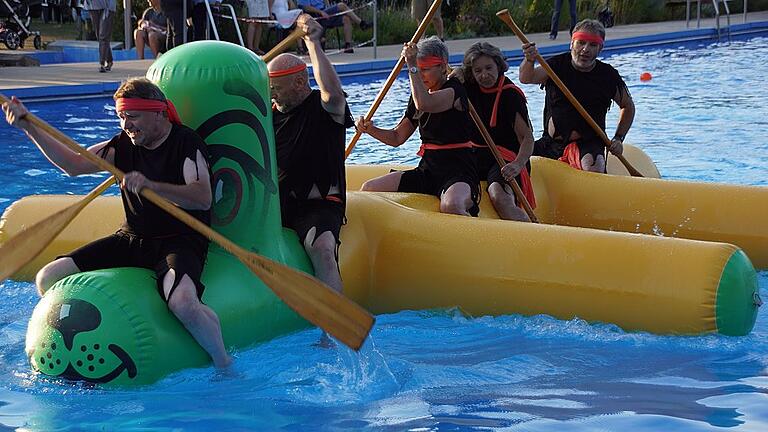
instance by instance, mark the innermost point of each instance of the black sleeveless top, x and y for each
(163, 164)
(594, 90)
(448, 127)
(310, 149)
(511, 103)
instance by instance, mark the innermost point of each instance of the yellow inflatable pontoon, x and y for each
(399, 253)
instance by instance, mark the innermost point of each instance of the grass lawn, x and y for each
(48, 33)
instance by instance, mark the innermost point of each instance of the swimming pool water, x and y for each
(699, 119)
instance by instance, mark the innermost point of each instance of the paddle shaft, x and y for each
(505, 16)
(319, 304)
(393, 75)
(280, 47)
(497, 155)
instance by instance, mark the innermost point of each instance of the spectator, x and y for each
(334, 16)
(257, 9)
(102, 16)
(285, 12)
(419, 11)
(200, 19)
(151, 31)
(556, 17)
(174, 16)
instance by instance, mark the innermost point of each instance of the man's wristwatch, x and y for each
(619, 137)
(413, 70)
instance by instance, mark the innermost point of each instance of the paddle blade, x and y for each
(27, 244)
(340, 317)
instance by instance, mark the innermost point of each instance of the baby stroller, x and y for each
(14, 29)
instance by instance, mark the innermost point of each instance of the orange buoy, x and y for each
(645, 76)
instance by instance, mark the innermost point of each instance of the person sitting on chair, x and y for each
(333, 16)
(151, 31)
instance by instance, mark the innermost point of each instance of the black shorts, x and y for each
(324, 215)
(185, 254)
(553, 149)
(486, 164)
(428, 182)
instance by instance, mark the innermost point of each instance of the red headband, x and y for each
(429, 61)
(588, 37)
(151, 105)
(289, 71)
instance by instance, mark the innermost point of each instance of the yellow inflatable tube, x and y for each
(399, 253)
(667, 208)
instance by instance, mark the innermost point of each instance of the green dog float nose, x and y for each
(111, 326)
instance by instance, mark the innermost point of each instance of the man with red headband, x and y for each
(567, 136)
(156, 152)
(310, 132)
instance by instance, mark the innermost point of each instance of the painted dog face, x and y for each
(68, 338)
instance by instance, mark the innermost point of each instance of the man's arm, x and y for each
(528, 73)
(626, 116)
(194, 195)
(331, 93)
(54, 150)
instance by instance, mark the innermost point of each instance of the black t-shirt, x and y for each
(511, 103)
(163, 164)
(594, 90)
(310, 149)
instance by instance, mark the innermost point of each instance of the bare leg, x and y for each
(437, 21)
(386, 183)
(503, 200)
(139, 35)
(353, 16)
(253, 37)
(347, 29)
(200, 320)
(457, 199)
(53, 272)
(322, 253)
(156, 42)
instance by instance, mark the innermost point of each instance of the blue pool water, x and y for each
(700, 119)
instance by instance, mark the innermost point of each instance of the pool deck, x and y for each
(78, 79)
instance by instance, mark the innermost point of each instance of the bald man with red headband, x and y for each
(567, 136)
(156, 152)
(310, 133)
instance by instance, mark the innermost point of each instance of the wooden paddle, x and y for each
(497, 155)
(393, 75)
(30, 241)
(310, 298)
(505, 16)
(280, 47)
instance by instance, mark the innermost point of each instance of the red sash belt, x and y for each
(429, 146)
(572, 156)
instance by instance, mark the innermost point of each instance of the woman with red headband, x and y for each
(567, 136)
(438, 106)
(502, 107)
(156, 152)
